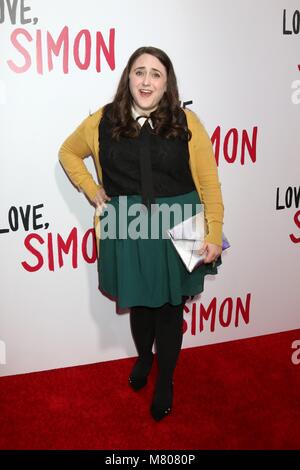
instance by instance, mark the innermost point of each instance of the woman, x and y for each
(150, 151)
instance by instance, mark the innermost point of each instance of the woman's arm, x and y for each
(80, 144)
(205, 174)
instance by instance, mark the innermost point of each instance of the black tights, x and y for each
(164, 326)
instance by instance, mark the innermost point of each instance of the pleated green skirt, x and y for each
(146, 271)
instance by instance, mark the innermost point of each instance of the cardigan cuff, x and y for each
(214, 233)
(91, 190)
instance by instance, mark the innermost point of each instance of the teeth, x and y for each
(146, 91)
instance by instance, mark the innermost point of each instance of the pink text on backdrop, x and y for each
(42, 46)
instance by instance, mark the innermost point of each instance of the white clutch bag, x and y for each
(187, 238)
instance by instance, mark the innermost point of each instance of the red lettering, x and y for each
(72, 240)
(89, 234)
(50, 253)
(205, 314)
(297, 222)
(54, 252)
(225, 315)
(230, 313)
(31, 249)
(234, 148)
(251, 146)
(231, 145)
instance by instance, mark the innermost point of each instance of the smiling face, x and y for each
(147, 83)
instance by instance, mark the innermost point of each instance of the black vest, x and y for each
(148, 165)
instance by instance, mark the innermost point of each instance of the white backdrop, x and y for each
(238, 65)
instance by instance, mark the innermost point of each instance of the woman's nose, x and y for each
(146, 79)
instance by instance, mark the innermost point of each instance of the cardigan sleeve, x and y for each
(205, 173)
(75, 148)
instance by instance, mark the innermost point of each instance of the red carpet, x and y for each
(236, 395)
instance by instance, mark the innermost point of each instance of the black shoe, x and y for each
(139, 375)
(162, 402)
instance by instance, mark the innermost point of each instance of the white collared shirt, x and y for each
(141, 121)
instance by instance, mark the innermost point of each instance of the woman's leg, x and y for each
(142, 322)
(168, 338)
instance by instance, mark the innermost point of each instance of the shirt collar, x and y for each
(141, 121)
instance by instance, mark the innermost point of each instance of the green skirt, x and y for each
(146, 271)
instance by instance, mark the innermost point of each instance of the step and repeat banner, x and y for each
(238, 67)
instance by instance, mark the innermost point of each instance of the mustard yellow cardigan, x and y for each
(83, 142)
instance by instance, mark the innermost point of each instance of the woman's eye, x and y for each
(156, 75)
(139, 72)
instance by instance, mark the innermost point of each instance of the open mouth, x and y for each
(145, 93)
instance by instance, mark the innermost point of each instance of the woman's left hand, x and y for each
(213, 252)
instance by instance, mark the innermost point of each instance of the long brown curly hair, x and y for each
(167, 119)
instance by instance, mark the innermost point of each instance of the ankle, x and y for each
(147, 357)
(162, 401)
(143, 365)
(163, 393)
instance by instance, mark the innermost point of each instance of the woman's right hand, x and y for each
(100, 198)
